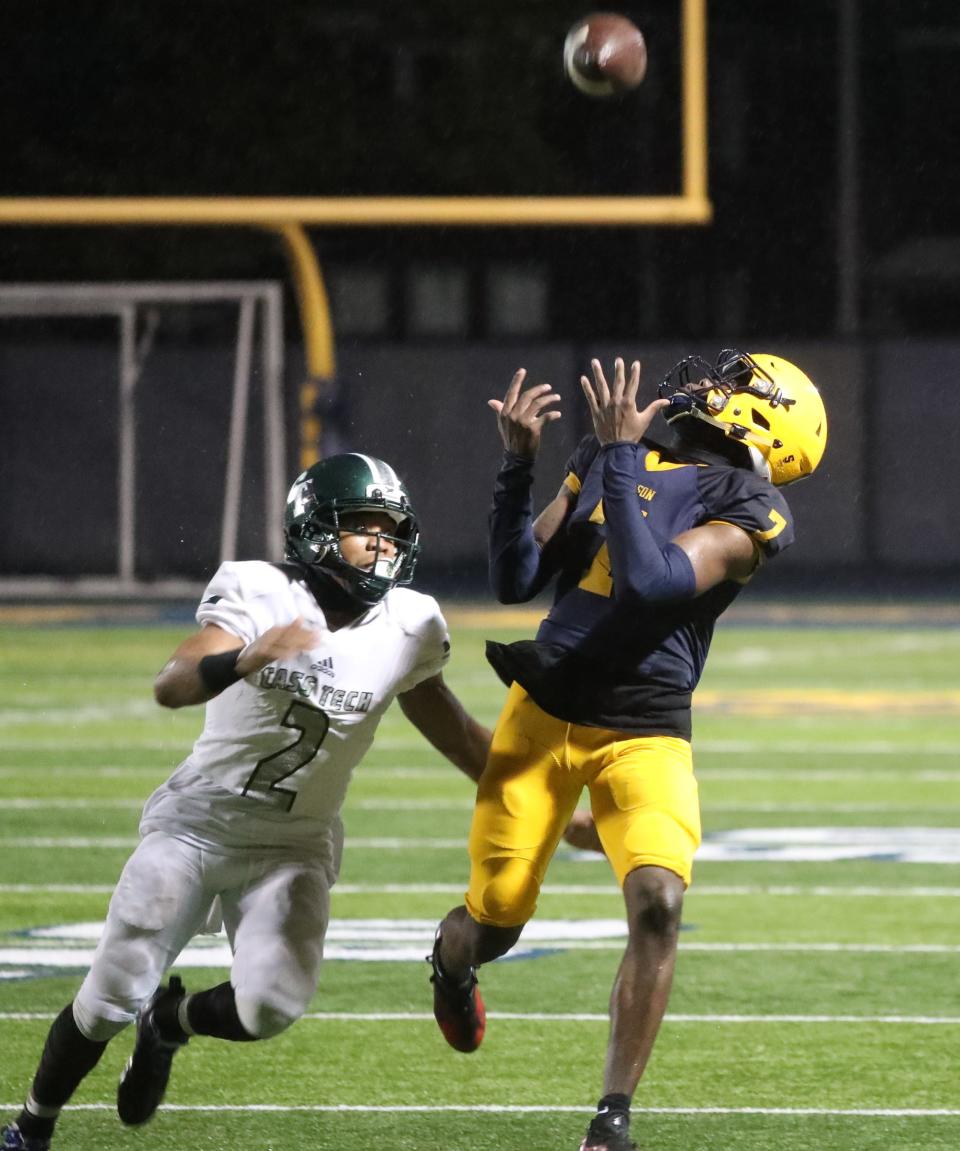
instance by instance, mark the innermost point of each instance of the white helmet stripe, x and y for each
(381, 472)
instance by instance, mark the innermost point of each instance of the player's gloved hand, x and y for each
(276, 643)
(581, 832)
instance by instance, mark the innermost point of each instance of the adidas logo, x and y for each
(324, 666)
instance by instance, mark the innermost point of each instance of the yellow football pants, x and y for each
(642, 792)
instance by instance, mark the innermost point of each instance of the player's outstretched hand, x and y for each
(276, 643)
(582, 833)
(521, 415)
(614, 410)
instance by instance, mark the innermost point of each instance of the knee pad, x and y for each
(263, 1019)
(506, 895)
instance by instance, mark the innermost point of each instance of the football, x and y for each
(605, 55)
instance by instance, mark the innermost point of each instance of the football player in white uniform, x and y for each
(297, 663)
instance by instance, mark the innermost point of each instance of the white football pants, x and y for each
(275, 908)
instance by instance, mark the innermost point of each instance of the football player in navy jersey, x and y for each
(663, 516)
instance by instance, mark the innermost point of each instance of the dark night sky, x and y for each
(435, 98)
(325, 99)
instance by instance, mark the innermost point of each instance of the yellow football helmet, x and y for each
(758, 400)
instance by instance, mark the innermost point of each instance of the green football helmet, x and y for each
(342, 485)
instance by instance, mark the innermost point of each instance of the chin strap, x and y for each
(331, 594)
(721, 450)
(757, 461)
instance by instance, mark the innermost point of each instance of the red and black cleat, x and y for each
(457, 1007)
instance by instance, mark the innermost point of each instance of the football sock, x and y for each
(68, 1057)
(214, 1012)
(166, 1016)
(614, 1102)
(35, 1126)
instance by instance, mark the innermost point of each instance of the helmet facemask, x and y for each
(319, 546)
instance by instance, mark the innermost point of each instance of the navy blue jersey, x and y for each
(599, 662)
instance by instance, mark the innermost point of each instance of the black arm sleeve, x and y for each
(643, 571)
(517, 568)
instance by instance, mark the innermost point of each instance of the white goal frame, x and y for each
(123, 301)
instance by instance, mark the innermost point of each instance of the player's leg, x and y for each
(276, 921)
(525, 798)
(159, 905)
(152, 914)
(68, 1057)
(647, 811)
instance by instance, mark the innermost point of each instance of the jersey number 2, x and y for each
(313, 724)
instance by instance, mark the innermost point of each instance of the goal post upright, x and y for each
(127, 453)
(122, 302)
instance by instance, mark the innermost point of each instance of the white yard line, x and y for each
(56, 888)
(938, 845)
(905, 748)
(81, 843)
(36, 803)
(571, 1017)
(855, 948)
(822, 747)
(822, 890)
(218, 955)
(25, 803)
(92, 743)
(515, 1109)
(86, 842)
(73, 716)
(828, 775)
(588, 890)
(829, 808)
(440, 773)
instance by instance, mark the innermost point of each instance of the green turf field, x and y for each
(817, 996)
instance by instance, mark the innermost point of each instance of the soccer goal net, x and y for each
(126, 417)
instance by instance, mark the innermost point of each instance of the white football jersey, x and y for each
(273, 762)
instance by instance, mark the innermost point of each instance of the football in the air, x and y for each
(605, 55)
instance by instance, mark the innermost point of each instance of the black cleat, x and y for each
(144, 1079)
(457, 1007)
(13, 1139)
(609, 1131)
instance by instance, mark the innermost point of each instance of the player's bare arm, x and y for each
(523, 414)
(181, 681)
(549, 522)
(440, 717)
(718, 552)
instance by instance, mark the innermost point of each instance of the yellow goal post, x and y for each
(290, 215)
